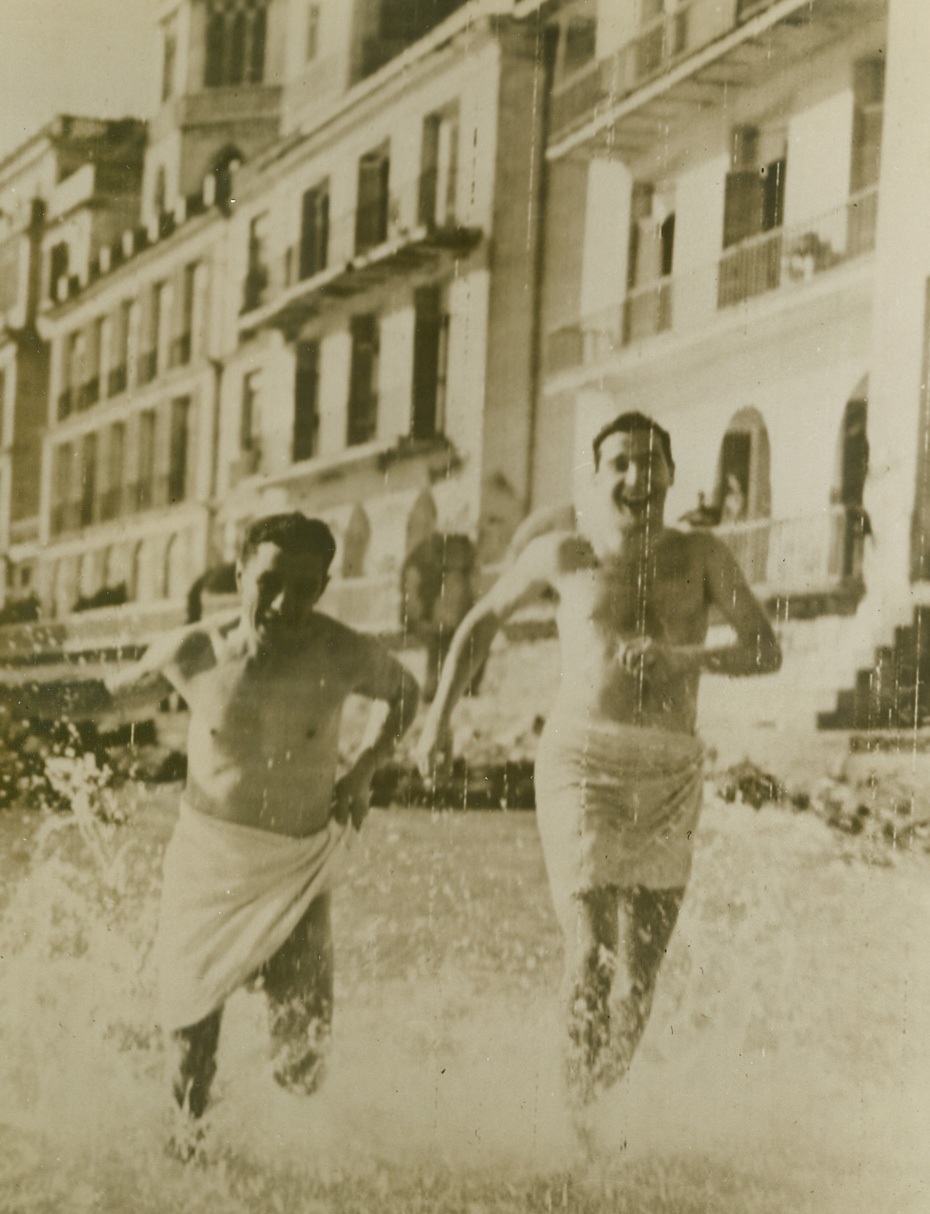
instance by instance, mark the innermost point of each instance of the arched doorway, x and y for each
(421, 522)
(743, 494)
(355, 544)
(849, 489)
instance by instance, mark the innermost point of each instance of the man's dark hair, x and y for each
(632, 423)
(292, 532)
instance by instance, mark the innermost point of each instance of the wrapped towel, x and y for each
(231, 896)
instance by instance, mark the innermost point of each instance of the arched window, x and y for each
(355, 544)
(743, 469)
(421, 522)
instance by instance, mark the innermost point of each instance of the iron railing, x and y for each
(783, 258)
(808, 554)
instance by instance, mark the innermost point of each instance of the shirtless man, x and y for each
(263, 817)
(619, 769)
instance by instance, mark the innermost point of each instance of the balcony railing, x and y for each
(762, 263)
(784, 258)
(658, 46)
(116, 380)
(409, 227)
(810, 555)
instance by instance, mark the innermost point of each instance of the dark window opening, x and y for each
(371, 217)
(363, 381)
(306, 401)
(178, 448)
(314, 231)
(430, 359)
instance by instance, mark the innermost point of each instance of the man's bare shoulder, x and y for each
(342, 641)
(558, 553)
(191, 650)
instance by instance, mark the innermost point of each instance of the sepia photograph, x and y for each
(464, 607)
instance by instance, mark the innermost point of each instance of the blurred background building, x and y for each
(392, 263)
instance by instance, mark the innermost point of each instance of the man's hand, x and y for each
(433, 749)
(352, 794)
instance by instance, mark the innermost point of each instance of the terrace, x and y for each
(687, 60)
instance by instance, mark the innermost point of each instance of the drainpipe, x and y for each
(546, 38)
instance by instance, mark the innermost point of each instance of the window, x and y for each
(439, 179)
(313, 32)
(235, 43)
(146, 461)
(58, 266)
(306, 401)
(648, 308)
(177, 451)
(119, 349)
(250, 417)
(753, 205)
(371, 217)
(314, 230)
(181, 345)
(868, 93)
(148, 359)
(363, 381)
(61, 487)
(88, 479)
(430, 362)
(580, 43)
(169, 56)
(256, 279)
(111, 502)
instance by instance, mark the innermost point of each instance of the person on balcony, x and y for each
(619, 769)
(733, 508)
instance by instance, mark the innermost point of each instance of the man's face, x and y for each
(279, 591)
(632, 481)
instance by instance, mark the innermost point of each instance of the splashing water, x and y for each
(785, 1067)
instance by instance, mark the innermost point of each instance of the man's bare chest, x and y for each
(667, 605)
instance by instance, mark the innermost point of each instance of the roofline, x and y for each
(53, 130)
(471, 16)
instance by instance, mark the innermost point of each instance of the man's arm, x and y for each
(531, 574)
(385, 679)
(756, 650)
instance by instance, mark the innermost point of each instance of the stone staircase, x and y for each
(893, 693)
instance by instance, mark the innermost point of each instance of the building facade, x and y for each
(728, 249)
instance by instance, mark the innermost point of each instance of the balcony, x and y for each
(685, 61)
(279, 298)
(784, 259)
(812, 557)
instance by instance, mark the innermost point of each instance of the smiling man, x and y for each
(263, 817)
(619, 768)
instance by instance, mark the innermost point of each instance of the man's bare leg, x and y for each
(195, 1063)
(613, 962)
(298, 982)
